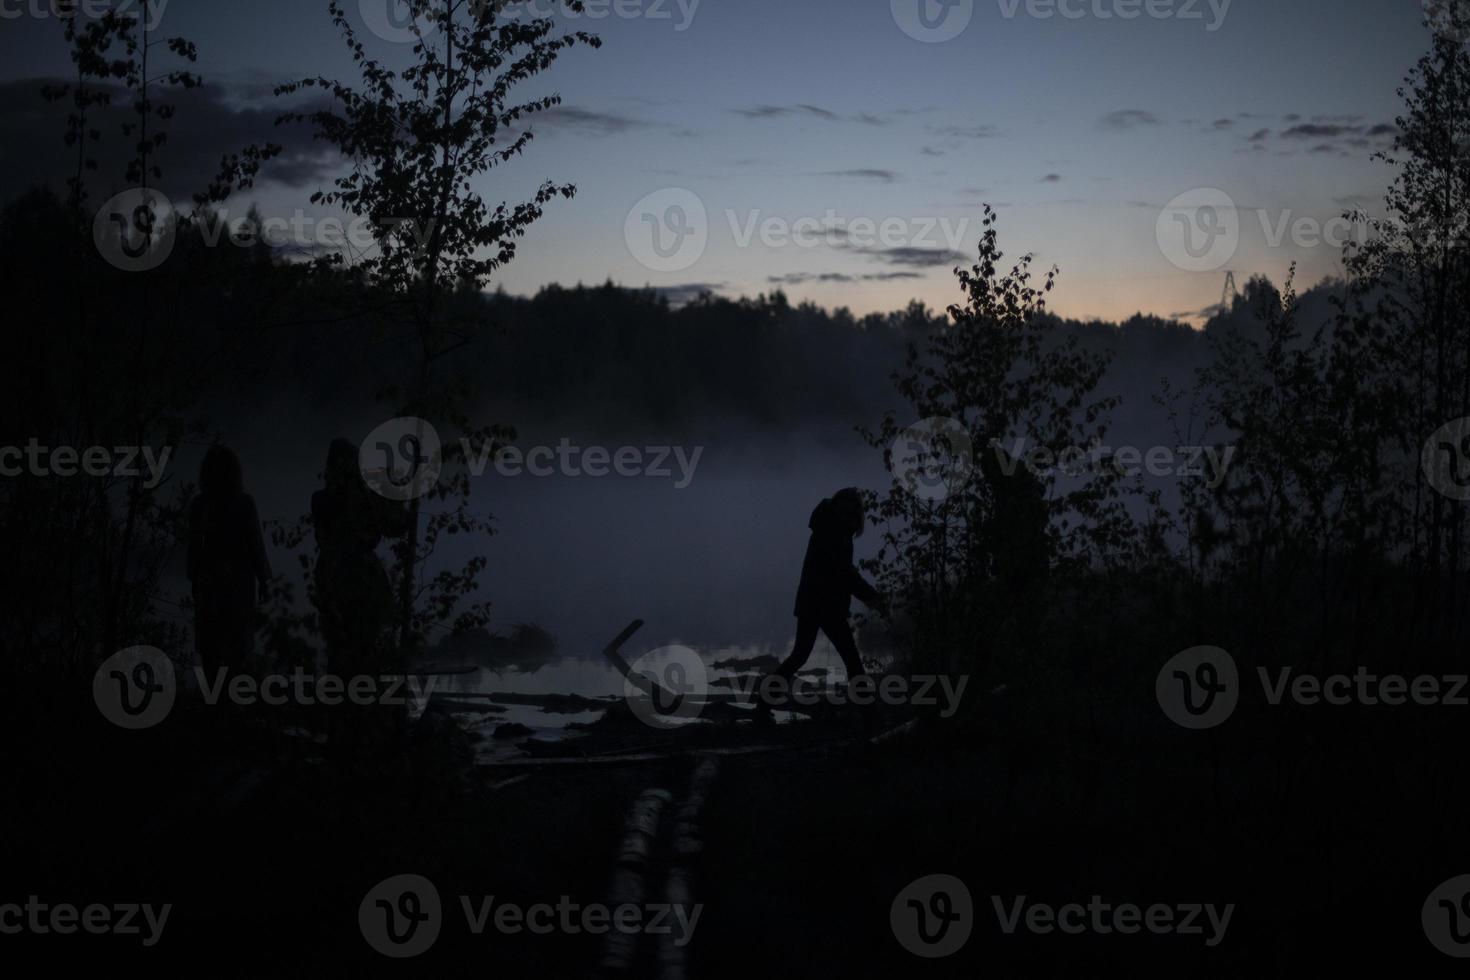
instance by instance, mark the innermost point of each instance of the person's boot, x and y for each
(763, 712)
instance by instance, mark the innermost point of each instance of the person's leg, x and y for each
(806, 640)
(840, 633)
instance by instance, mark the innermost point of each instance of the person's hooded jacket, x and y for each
(828, 578)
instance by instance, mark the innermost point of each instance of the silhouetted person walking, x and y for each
(227, 563)
(353, 593)
(828, 583)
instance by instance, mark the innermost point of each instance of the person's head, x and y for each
(219, 474)
(848, 505)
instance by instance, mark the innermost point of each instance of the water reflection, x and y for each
(730, 671)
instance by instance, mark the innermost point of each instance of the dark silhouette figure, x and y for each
(353, 593)
(828, 583)
(227, 563)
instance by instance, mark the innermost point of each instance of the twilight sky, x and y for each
(1080, 123)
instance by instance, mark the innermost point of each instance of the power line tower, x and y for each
(1228, 295)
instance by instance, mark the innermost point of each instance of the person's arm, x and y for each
(859, 587)
(841, 570)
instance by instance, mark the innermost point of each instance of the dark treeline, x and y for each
(606, 354)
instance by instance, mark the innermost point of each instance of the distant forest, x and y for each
(605, 357)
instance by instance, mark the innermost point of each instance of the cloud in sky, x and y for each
(982, 132)
(800, 109)
(802, 278)
(949, 138)
(587, 121)
(1338, 135)
(863, 173)
(913, 255)
(209, 121)
(1318, 131)
(777, 111)
(1128, 119)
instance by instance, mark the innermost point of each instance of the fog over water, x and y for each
(712, 564)
(708, 550)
